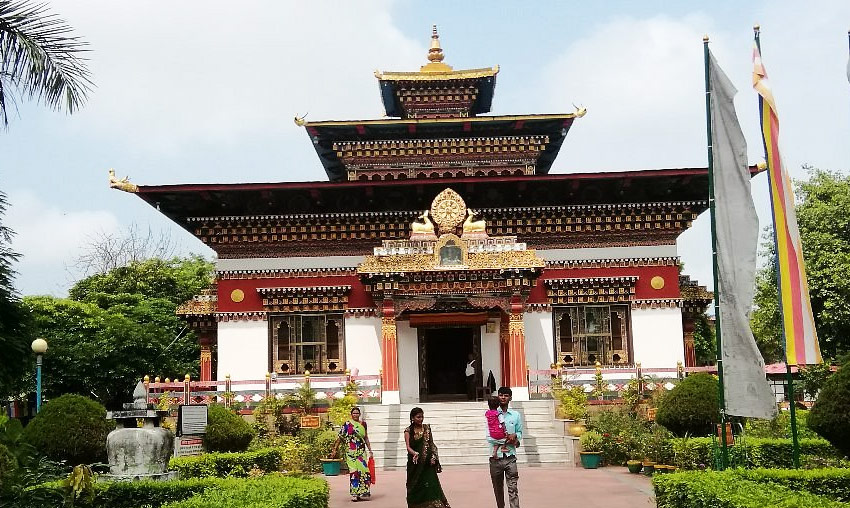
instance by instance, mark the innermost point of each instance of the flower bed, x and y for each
(710, 489)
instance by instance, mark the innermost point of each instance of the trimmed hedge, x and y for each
(712, 489)
(270, 492)
(833, 483)
(694, 453)
(222, 465)
(273, 491)
(830, 415)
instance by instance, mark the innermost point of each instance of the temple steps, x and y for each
(459, 429)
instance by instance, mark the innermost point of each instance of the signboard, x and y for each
(192, 419)
(310, 422)
(188, 445)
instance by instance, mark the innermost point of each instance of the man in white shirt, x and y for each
(470, 377)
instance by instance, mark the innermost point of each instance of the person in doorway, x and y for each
(423, 464)
(503, 467)
(470, 377)
(353, 434)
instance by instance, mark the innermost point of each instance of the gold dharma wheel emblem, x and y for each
(237, 295)
(657, 282)
(448, 210)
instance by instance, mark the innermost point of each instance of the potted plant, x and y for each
(331, 466)
(591, 445)
(572, 408)
(634, 466)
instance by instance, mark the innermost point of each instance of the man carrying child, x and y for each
(504, 433)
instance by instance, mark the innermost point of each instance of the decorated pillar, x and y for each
(206, 358)
(517, 369)
(688, 326)
(504, 334)
(389, 354)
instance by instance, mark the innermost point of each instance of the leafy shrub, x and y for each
(698, 452)
(830, 414)
(691, 407)
(591, 441)
(624, 435)
(698, 489)
(833, 483)
(226, 431)
(224, 465)
(272, 491)
(267, 492)
(8, 465)
(70, 428)
(780, 426)
(572, 401)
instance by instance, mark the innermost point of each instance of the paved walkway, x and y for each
(608, 487)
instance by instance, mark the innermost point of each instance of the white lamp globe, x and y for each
(39, 346)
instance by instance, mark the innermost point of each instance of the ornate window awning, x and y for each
(590, 290)
(301, 299)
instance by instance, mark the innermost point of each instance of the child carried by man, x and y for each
(496, 425)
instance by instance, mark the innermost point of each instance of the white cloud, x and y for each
(49, 239)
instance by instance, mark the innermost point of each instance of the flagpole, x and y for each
(719, 351)
(788, 377)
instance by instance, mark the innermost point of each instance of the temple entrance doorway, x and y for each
(443, 355)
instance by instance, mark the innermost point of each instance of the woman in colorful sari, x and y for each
(423, 464)
(353, 434)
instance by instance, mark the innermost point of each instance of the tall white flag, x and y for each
(746, 390)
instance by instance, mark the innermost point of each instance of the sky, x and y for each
(205, 92)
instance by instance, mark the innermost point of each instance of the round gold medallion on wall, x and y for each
(448, 210)
(657, 282)
(237, 295)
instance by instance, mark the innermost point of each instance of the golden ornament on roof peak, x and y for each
(435, 55)
(121, 184)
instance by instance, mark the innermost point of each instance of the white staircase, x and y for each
(459, 432)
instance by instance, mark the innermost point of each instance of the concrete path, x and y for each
(543, 487)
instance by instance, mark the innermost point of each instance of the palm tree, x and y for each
(40, 59)
(13, 335)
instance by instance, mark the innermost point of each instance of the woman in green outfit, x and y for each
(423, 464)
(353, 434)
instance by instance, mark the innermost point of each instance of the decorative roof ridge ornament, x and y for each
(580, 111)
(122, 184)
(435, 55)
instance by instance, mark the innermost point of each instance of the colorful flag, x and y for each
(746, 391)
(801, 341)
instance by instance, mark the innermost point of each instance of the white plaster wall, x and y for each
(658, 337)
(491, 353)
(363, 344)
(538, 340)
(243, 349)
(408, 362)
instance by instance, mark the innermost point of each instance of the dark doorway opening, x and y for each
(444, 353)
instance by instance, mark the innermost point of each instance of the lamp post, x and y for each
(39, 346)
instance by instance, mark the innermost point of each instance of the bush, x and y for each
(223, 465)
(698, 489)
(8, 465)
(833, 483)
(226, 431)
(269, 492)
(691, 407)
(698, 452)
(830, 414)
(70, 428)
(572, 402)
(780, 426)
(623, 435)
(273, 491)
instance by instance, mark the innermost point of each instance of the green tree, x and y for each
(39, 58)
(119, 326)
(825, 232)
(705, 345)
(14, 341)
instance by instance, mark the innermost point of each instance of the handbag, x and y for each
(371, 465)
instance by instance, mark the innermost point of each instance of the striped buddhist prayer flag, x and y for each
(801, 341)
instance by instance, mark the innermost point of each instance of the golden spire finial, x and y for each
(435, 54)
